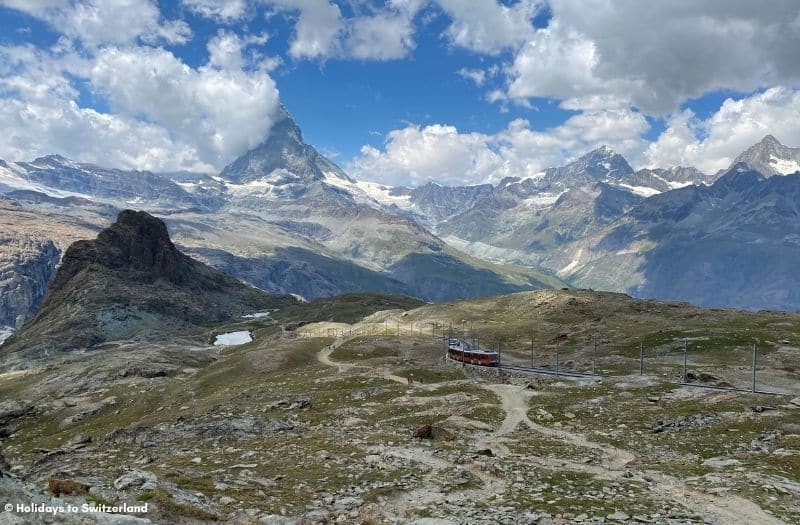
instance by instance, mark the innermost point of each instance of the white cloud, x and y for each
(317, 28)
(97, 22)
(736, 126)
(415, 155)
(221, 10)
(60, 126)
(384, 36)
(321, 32)
(436, 152)
(219, 107)
(42, 117)
(655, 55)
(487, 26)
(475, 75)
(165, 115)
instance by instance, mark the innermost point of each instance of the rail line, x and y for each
(548, 372)
(531, 370)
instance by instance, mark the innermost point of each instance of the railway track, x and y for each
(548, 372)
(531, 370)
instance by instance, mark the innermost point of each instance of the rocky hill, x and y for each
(132, 283)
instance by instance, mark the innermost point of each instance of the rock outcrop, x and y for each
(132, 283)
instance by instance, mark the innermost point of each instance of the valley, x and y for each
(399, 262)
(300, 426)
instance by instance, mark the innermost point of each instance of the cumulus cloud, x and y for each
(415, 155)
(477, 76)
(487, 26)
(164, 114)
(42, 116)
(384, 36)
(655, 55)
(322, 32)
(219, 107)
(221, 10)
(317, 29)
(712, 144)
(97, 22)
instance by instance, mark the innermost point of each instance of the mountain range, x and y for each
(285, 219)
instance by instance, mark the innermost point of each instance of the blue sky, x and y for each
(398, 91)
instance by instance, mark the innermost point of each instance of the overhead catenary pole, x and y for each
(531, 351)
(498, 354)
(685, 360)
(558, 360)
(641, 358)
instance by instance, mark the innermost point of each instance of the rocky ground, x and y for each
(324, 427)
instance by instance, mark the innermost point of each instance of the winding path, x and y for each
(720, 509)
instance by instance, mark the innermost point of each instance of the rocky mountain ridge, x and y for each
(131, 282)
(770, 157)
(733, 243)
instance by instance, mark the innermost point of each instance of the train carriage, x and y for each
(465, 352)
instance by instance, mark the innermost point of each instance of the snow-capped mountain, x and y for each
(770, 157)
(434, 204)
(287, 219)
(57, 176)
(282, 217)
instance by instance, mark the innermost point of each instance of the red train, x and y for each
(466, 353)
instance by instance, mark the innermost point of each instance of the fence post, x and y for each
(755, 357)
(594, 355)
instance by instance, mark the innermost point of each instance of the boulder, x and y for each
(11, 411)
(424, 432)
(140, 479)
(69, 487)
(431, 431)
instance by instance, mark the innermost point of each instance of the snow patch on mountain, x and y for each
(542, 199)
(385, 194)
(5, 333)
(13, 177)
(644, 191)
(784, 166)
(576, 261)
